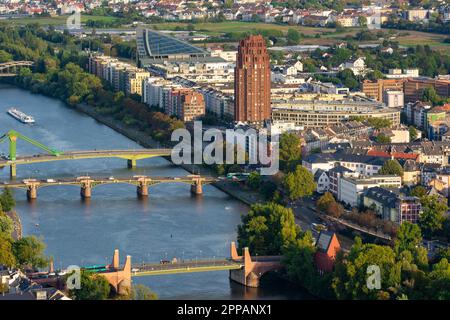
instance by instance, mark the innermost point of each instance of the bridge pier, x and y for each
(142, 190)
(13, 170)
(85, 191)
(32, 192)
(131, 163)
(197, 188)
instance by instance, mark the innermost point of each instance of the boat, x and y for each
(19, 115)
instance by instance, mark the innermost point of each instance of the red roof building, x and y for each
(327, 248)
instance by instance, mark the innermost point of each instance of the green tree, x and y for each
(7, 200)
(29, 251)
(350, 277)
(391, 167)
(142, 292)
(6, 225)
(324, 201)
(92, 287)
(412, 133)
(267, 229)
(409, 237)
(419, 192)
(5, 56)
(7, 257)
(290, 151)
(382, 138)
(254, 180)
(299, 183)
(432, 217)
(298, 259)
(293, 36)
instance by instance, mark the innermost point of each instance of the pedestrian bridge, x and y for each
(246, 270)
(51, 154)
(87, 183)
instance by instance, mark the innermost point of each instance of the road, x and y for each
(305, 216)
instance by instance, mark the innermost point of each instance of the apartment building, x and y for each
(351, 186)
(318, 114)
(392, 205)
(413, 88)
(376, 89)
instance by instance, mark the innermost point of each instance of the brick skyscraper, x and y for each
(252, 81)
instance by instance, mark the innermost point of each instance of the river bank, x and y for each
(17, 233)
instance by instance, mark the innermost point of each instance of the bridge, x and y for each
(87, 183)
(245, 269)
(12, 160)
(9, 69)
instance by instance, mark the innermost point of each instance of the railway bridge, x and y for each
(51, 154)
(9, 69)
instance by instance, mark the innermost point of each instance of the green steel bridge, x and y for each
(51, 154)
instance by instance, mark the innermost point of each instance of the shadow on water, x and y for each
(272, 287)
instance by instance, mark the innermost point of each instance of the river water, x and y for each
(170, 223)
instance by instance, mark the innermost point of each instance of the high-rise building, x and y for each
(252, 81)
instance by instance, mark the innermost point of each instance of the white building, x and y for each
(394, 98)
(351, 186)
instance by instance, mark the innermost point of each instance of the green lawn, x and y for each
(58, 20)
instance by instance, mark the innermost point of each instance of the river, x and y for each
(170, 223)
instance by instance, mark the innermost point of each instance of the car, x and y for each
(111, 178)
(134, 270)
(50, 180)
(164, 261)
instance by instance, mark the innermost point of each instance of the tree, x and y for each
(29, 251)
(92, 287)
(6, 225)
(267, 229)
(419, 192)
(5, 56)
(335, 209)
(379, 123)
(409, 237)
(290, 151)
(299, 183)
(7, 200)
(324, 201)
(6, 253)
(432, 217)
(293, 36)
(391, 167)
(351, 272)
(254, 180)
(382, 138)
(141, 292)
(412, 133)
(429, 95)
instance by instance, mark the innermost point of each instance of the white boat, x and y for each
(19, 115)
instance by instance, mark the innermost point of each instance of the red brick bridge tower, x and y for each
(253, 267)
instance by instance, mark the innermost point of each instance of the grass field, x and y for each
(239, 27)
(56, 21)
